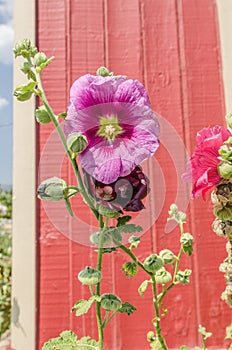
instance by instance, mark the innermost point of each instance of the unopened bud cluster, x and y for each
(226, 268)
(222, 225)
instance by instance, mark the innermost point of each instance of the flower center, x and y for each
(109, 128)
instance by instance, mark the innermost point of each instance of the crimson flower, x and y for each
(203, 164)
(126, 193)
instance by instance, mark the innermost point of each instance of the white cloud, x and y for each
(6, 43)
(3, 102)
(6, 10)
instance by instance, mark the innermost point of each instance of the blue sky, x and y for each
(6, 77)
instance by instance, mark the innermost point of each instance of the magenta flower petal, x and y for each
(115, 115)
(203, 165)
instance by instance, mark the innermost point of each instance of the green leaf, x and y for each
(183, 276)
(82, 306)
(62, 115)
(127, 308)
(202, 331)
(122, 220)
(229, 332)
(184, 347)
(68, 341)
(134, 241)
(143, 287)
(86, 343)
(24, 92)
(130, 228)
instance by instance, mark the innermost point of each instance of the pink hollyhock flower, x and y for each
(115, 115)
(126, 193)
(203, 164)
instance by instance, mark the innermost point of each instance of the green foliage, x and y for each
(229, 332)
(183, 276)
(122, 220)
(204, 334)
(69, 341)
(143, 287)
(6, 200)
(127, 308)
(5, 280)
(187, 243)
(82, 306)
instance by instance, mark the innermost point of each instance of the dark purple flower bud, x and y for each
(126, 193)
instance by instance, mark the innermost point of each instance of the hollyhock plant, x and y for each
(203, 165)
(111, 128)
(115, 116)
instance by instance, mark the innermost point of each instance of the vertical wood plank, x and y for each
(204, 96)
(163, 71)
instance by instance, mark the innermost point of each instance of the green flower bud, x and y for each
(40, 58)
(225, 170)
(130, 269)
(173, 209)
(229, 120)
(181, 217)
(89, 276)
(104, 72)
(25, 48)
(24, 92)
(106, 239)
(77, 142)
(134, 241)
(153, 263)
(183, 276)
(186, 241)
(167, 256)
(52, 189)
(163, 276)
(150, 336)
(42, 115)
(110, 302)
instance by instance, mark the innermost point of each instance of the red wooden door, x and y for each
(172, 47)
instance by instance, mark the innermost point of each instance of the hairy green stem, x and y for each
(55, 121)
(100, 324)
(157, 315)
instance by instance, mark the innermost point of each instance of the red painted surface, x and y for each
(173, 48)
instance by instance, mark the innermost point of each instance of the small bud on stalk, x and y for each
(111, 302)
(52, 189)
(153, 263)
(163, 276)
(167, 256)
(89, 276)
(77, 142)
(104, 72)
(40, 58)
